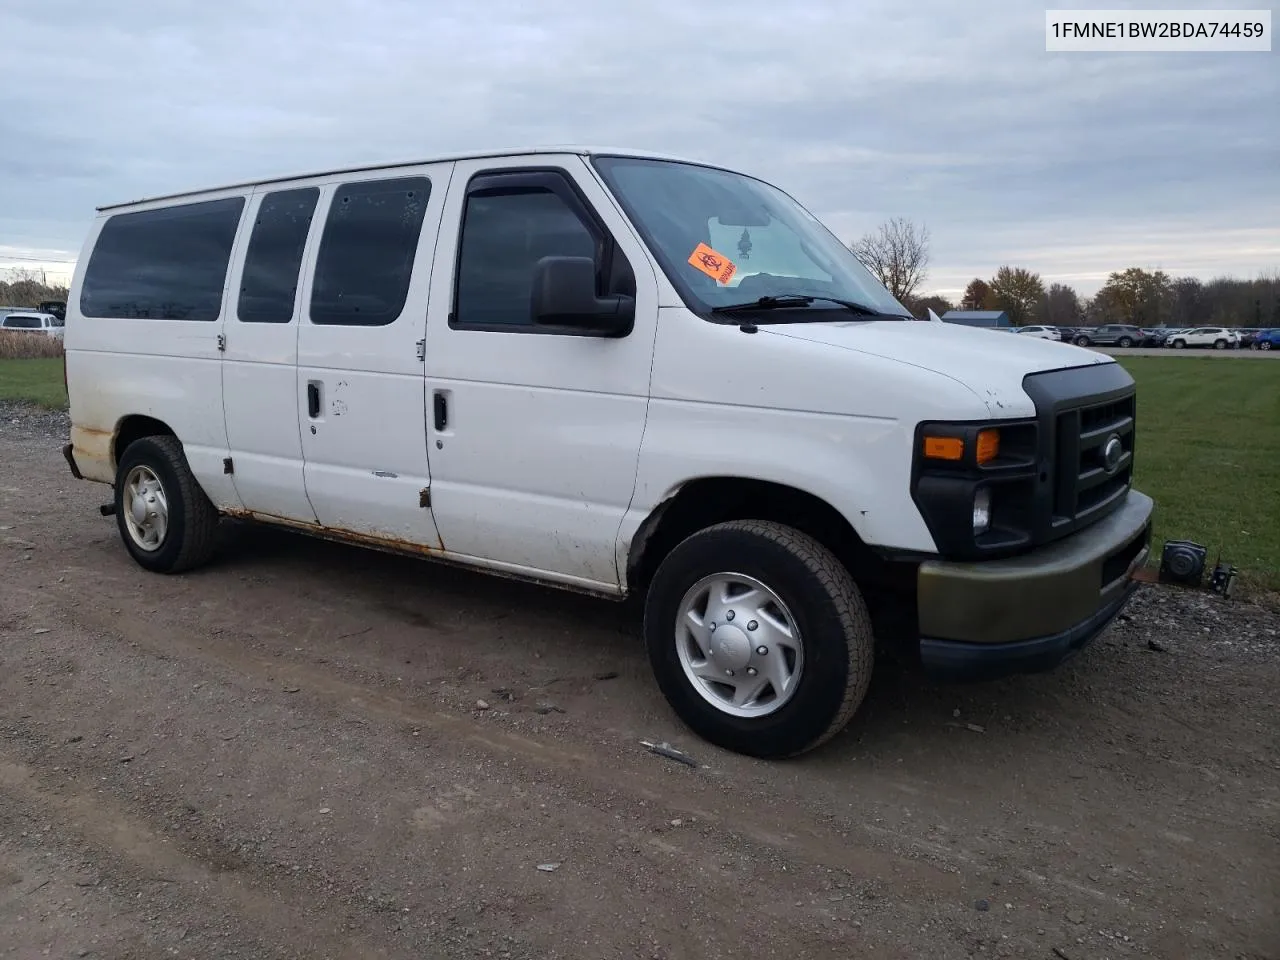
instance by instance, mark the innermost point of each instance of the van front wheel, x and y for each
(759, 638)
(166, 521)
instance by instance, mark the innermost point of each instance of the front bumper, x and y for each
(1026, 614)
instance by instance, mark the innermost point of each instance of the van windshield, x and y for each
(725, 239)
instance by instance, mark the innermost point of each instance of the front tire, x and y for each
(1082, 341)
(1179, 344)
(165, 520)
(1265, 345)
(759, 638)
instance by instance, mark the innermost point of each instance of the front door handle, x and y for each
(441, 404)
(313, 399)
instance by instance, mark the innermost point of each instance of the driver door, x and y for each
(534, 432)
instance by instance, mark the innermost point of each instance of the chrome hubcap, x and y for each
(146, 509)
(738, 645)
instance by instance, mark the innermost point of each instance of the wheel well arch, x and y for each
(706, 501)
(135, 427)
(888, 584)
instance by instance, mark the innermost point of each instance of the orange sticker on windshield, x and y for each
(715, 265)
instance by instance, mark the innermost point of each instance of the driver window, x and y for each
(504, 235)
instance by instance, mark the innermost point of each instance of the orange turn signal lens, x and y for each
(944, 448)
(988, 446)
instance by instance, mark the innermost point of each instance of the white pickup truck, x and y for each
(619, 373)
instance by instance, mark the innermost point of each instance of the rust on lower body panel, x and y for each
(339, 534)
(91, 448)
(406, 548)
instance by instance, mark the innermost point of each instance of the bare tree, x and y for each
(897, 253)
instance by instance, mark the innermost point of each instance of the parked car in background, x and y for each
(1042, 332)
(41, 323)
(1219, 338)
(1109, 335)
(56, 307)
(1266, 340)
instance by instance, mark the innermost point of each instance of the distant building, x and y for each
(978, 318)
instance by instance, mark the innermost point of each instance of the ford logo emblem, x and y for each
(1112, 453)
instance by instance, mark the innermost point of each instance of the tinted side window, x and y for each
(366, 253)
(168, 264)
(270, 281)
(23, 323)
(504, 235)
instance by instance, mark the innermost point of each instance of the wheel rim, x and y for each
(1266, 345)
(1220, 344)
(738, 644)
(145, 508)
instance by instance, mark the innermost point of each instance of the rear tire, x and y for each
(1082, 341)
(804, 608)
(1219, 344)
(1126, 342)
(1265, 345)
(165, 520)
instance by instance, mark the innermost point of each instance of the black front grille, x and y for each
(1080, 412)
(1084, 482)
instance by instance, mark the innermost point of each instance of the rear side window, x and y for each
(366, 254)
(504, 235)
(270, 281)
(167, 264)
(23, 323)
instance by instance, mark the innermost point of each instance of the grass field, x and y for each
(1208, 450)
(1209, 453)
(39, 381)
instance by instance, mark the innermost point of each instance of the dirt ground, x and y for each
(285, 755)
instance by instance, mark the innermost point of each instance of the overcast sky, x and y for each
(1070, 164)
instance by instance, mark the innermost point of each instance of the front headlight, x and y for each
(981, 511)
(976, 485)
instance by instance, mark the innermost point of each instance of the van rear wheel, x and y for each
(165, 520)
(758, 638)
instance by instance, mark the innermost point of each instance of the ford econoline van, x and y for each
(617, 373)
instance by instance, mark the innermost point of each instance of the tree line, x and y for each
(28, 289)
(898, 254)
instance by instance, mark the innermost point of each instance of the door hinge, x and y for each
(422, 349)
(222, 343)
(228, 466)
(424, 498)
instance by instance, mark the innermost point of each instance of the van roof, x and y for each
(363, 168)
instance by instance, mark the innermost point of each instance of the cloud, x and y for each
(1073, 164)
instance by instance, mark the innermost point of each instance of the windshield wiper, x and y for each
(799, 300)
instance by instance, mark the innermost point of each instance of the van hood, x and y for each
(991, 363)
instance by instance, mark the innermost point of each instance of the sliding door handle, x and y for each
(441, 405)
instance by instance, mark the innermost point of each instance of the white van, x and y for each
(618, 373)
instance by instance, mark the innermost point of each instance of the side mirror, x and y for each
(564, 295)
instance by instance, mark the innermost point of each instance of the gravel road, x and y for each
(309, 750)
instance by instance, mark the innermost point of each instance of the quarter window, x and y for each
(270, 281)
(367, 251)
(504, 235)
(167, 264)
